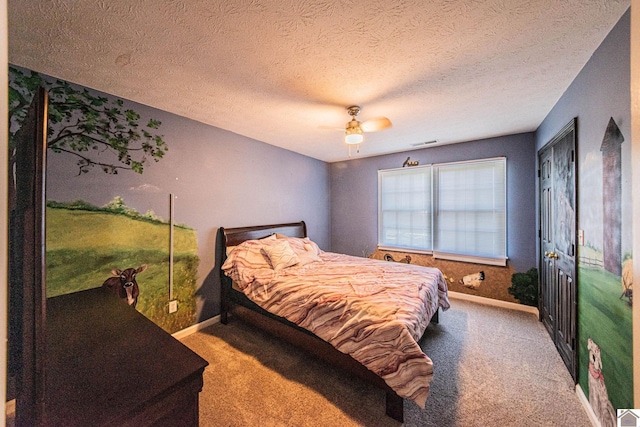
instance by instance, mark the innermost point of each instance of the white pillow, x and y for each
(298, 243)
(308, 242)
(280, 255)
(308, 256)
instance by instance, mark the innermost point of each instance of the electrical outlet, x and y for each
(173, 306)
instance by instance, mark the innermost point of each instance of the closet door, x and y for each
(548, 286)
(558, 297)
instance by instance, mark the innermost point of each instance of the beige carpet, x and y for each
(493, 367)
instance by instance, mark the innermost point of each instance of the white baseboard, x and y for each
(587, 407)
(195, 328)
(494, 302)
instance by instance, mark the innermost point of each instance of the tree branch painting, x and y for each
(85, 125)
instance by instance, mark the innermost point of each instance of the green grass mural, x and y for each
(84, 243)
(606, 319)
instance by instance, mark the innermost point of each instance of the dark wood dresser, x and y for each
(108, 365)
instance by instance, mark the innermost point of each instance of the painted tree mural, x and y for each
(97, 130)
(86, 242)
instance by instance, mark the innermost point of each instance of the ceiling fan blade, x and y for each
(374, 125)
(331, 128)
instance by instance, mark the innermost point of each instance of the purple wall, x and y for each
(218, 179)
(601, 91)
(354, 193)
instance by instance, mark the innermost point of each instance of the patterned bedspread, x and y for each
(375, 311)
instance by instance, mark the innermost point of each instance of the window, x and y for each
(404, 214)
(453, 210)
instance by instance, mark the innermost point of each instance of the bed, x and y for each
(372, 339)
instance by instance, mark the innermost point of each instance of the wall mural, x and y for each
(598, 394)
(611, 149)
(605, 288)
(88, 245)
(487, 281)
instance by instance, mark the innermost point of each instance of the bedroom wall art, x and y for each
(604, 310)
(487, 281)
(86, 243)
(599, 97)
(115, 170)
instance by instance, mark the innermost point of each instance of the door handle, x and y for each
(552, 255)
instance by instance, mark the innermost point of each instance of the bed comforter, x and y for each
(373, 310)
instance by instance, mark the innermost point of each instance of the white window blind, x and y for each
(404, 208)
(455, 210)
(470, 213)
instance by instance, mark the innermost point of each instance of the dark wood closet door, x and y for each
(547, 283)
(558, 296)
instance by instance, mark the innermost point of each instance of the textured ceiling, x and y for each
(283, 71)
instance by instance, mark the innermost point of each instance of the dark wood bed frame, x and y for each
(237, 304)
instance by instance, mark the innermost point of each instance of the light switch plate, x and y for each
(581, 237)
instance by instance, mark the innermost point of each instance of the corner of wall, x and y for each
(635, 154)
(4, 151)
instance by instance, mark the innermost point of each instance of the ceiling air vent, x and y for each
(421, 144)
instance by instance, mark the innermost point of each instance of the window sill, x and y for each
(502, 262)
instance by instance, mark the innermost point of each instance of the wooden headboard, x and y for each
(235, 236)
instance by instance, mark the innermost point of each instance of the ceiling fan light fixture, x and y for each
(353, 131)
(354, 128)
(353, 136)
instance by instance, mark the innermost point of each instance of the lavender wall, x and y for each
(218, 179)
(598, 93)
(354, 193)
(601, 88)
(601, 91)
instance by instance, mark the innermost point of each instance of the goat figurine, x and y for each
(124, 284)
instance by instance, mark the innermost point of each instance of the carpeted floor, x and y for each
(493, 367)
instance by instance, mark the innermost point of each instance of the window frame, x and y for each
(500, 259)
(386, 246)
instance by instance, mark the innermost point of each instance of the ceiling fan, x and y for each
(355, 128)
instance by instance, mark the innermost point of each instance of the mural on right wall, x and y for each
(605, 288)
